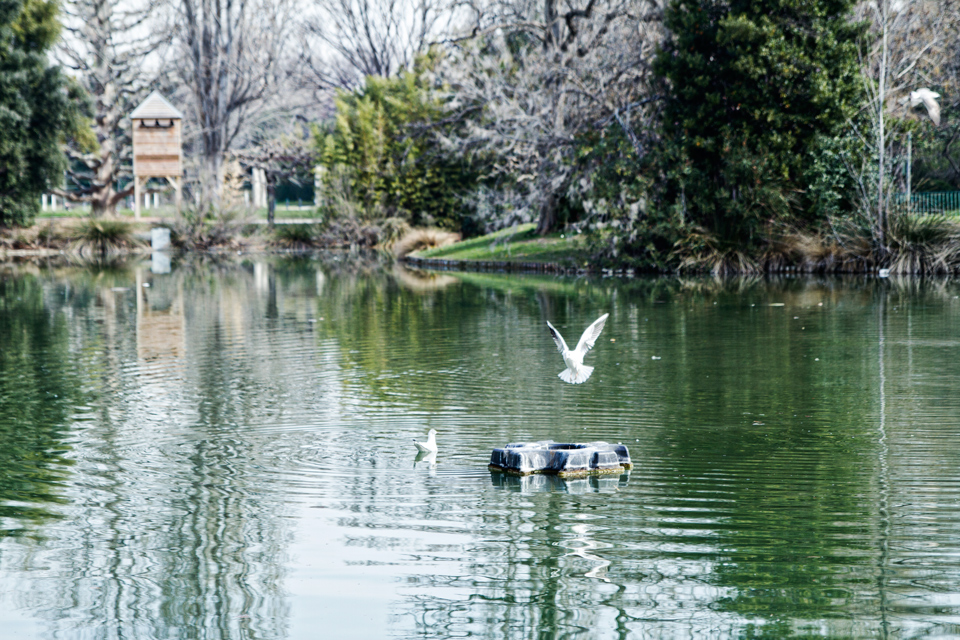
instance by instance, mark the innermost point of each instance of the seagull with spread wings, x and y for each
(577, 372)
(929, 100)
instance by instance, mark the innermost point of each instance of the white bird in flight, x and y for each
(430, 446)
(577, 372)
(928, 99)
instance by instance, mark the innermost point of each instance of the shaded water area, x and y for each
(226, 453)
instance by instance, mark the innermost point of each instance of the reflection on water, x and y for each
(539, 482)
(225, 451)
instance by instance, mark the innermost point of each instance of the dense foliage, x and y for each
(755, 88)
(36, 108)
(384, 156)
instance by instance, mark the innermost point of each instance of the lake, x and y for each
(225, 451)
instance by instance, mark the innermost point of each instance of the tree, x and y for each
(231, 61)
(753, 86)
(359, 38)
(38, 108)
(386, 143)
(286, 156)
(106, 43)
(907, 50)
(545, 75)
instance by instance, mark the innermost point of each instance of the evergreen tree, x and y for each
(36, 108)
(753, 89)
(385, 139)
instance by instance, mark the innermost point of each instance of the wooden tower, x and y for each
(157, 146)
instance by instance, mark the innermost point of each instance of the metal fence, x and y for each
(933, 202)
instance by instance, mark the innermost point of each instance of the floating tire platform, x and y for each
(562, 459)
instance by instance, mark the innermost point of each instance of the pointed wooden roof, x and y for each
(156, 107)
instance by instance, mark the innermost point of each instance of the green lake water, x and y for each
(224, 451)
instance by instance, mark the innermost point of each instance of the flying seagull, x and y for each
(577, 372)
(430, 446)
(928, 99)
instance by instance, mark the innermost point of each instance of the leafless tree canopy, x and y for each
(110, 46)
(546, 72)
(289, 155)
(232, 59)
(908, 50)
(350, 39)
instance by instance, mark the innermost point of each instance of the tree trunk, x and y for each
(102, 200)
(271, 199)
(211, 180)
(548, 215)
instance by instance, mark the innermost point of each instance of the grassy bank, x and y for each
(518, 244)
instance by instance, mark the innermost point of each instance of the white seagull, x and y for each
(430, 446)
(928, 99)
(577, 372)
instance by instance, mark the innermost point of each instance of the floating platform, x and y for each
(561, 459)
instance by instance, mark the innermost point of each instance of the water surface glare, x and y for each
(224, 451)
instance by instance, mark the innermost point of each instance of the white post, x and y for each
(259, 180)
(136, 196)
(156, 200)
(43, 202)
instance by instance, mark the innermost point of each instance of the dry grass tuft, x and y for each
(391, 231)
(420, 239)
(195, 229)
(97, 238)
(296, 236)
(702, 252)
(924, 244)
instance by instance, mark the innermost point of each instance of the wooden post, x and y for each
(178, 198)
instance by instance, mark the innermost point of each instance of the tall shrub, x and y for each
(35, 108)
(386, 145)
(753, 88)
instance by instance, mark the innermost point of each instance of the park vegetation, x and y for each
(691, 135)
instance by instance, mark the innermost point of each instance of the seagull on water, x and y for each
(430, 446)
(577, 372)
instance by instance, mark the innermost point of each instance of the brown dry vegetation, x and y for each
(916, 244)
(419, 239)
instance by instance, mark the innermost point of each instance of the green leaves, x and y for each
(36, 109)
(753, 89)
(386, 139)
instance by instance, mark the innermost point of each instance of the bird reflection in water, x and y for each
(426, 459)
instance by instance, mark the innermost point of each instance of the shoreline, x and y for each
(503, 266)
(514, 250)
